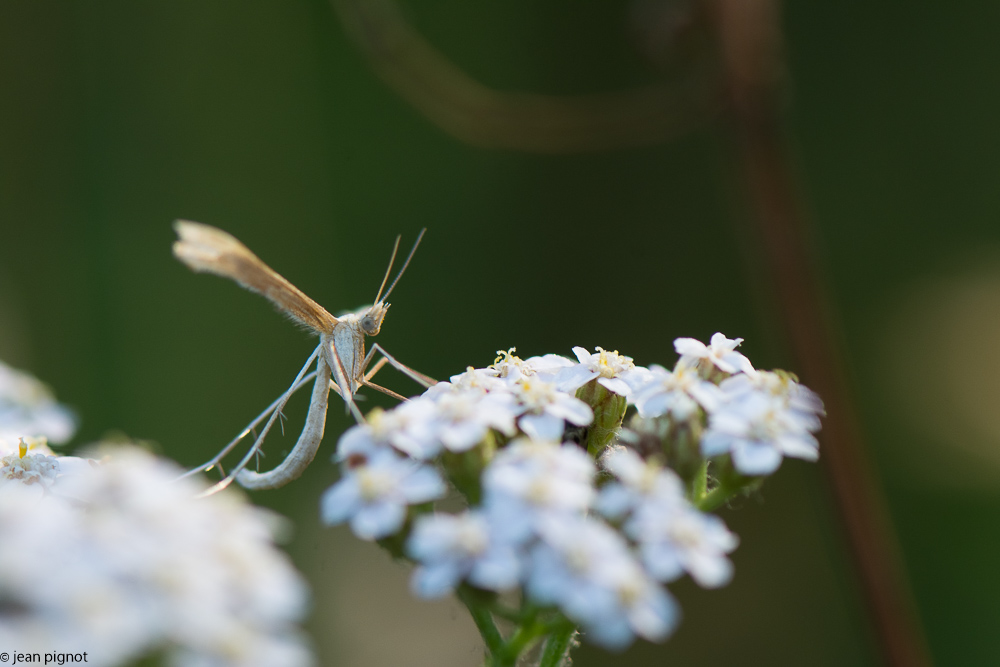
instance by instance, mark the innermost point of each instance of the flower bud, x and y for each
(609, 410)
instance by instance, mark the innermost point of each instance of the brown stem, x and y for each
(482, 116)
(750, 41)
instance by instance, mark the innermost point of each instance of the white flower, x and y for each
(27, 409)
(798, 398)
(461, 419)
(398, 428)
(32, 463)
(757, 430)
(721, 352)
(473, 380)
(457, 416)
(467, 546)
(611, 369)
(513, 369)
(585, 568)
(135, 564)
(39, 467)
(675, 538)
(529, 479)
(639, 482)
(678, 393)
(546, 409)
(375, 493)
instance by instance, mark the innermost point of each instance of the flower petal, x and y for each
(616, 385)
(497, 570)
(572, 410)
(435, 581)
(542, 427)
(755, 458)
(710, 571)
(801, 446)
(571, 379)
(378, 520)
(690, 347)
(340, 501)
(421, 485)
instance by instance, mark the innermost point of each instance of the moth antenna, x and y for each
(405, 264)
(388, 270)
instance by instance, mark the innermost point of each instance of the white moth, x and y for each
(341, 362)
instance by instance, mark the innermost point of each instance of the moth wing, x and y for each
(207, 249)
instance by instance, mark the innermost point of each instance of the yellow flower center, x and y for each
(630, 592)
(685, 533)
(505, 360)
(472, 540)
(373, 484)
(647, 482)
(538, 492)
(577, 560)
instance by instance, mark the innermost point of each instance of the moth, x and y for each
(341, 362)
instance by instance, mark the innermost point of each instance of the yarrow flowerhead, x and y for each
(121, 560)
(518, 442)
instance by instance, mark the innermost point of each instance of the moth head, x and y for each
(371, 321)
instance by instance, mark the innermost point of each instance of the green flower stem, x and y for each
(506, 613)
(698, 487)
(522, 639)
(731, 483)
(557, 647)
(729, 486)
(683, 450)
(484, 622)
(715, 498)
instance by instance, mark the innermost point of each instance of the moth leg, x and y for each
(216, 461)
(387, 392)
(416, 376)
(307, 445)
(275, 410)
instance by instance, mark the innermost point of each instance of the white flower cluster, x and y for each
(758, 417)
(673, 537)
(761, 418)
(28, 409)
(542, 518)
(120, 559)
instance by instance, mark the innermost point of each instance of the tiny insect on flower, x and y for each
(340, 354)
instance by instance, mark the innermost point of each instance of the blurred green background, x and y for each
(265, 119)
